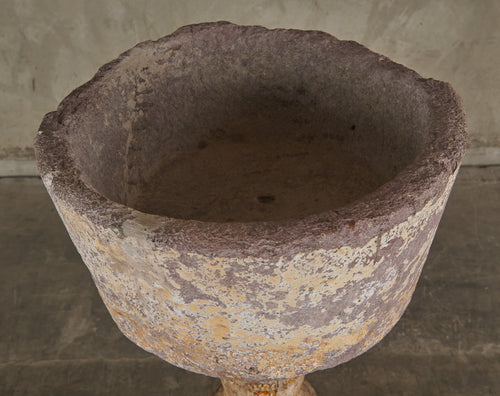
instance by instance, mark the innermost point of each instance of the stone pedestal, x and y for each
(294, 387)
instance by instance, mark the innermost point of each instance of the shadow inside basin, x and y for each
(228, 131)
(267, 160)
(255, 179)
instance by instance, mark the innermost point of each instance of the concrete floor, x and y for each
(57, 338)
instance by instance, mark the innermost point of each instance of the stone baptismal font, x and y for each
(253, 204)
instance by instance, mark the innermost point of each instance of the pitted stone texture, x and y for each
(276, 318)
(253, 300)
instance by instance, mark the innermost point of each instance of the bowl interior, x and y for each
(247, 127)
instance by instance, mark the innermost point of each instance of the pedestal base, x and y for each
(293, 387)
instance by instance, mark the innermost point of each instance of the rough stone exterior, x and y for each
(276, 317)
(259, 301)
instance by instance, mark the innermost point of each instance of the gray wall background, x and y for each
(49, 47)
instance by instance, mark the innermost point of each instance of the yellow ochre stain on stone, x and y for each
(233, 318)
(220, 326)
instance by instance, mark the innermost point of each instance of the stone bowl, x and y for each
(253, 204)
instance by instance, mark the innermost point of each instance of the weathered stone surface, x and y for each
(57, 338)
(253, 300)
(293, 387)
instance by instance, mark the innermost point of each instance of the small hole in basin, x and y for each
(266, 198)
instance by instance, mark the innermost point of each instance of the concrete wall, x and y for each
(49, 47)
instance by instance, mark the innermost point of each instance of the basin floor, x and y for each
(263, 180)
(57, 338)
